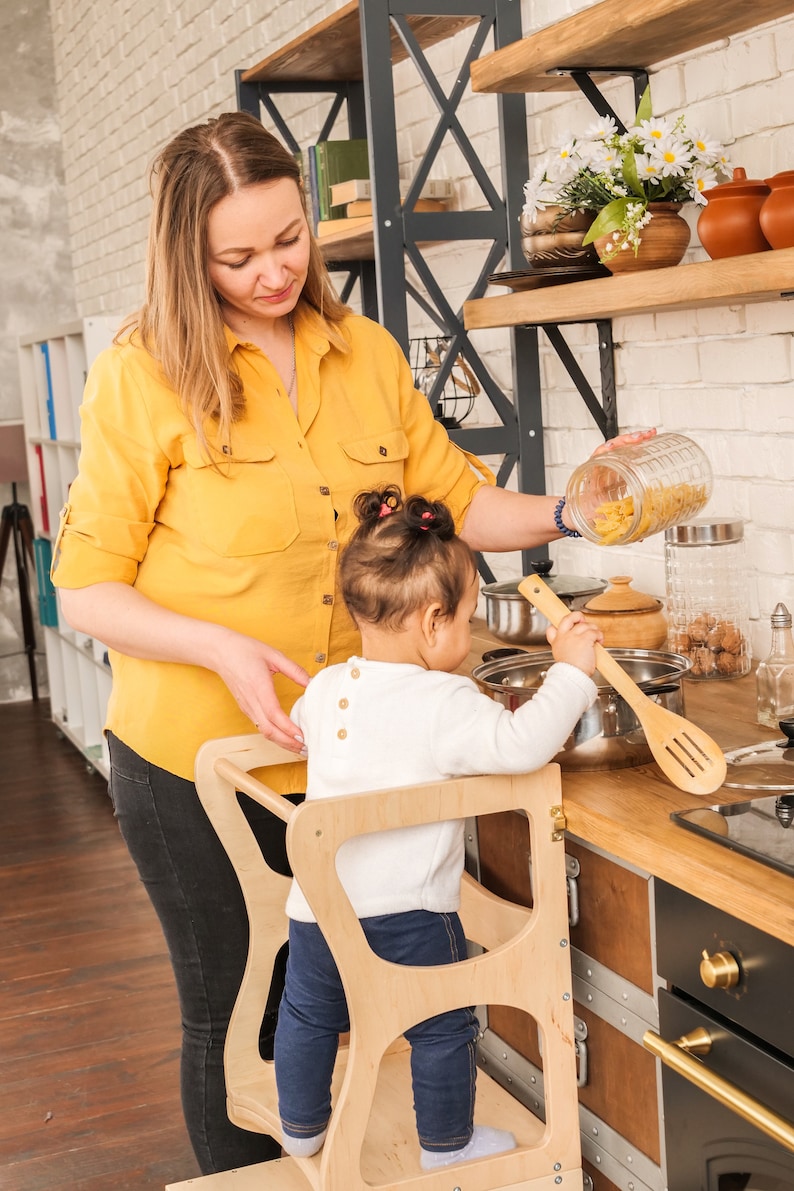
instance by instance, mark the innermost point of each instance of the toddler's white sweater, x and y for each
(376, 725)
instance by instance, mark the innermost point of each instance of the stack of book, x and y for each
(338, 189)
(322, 166)
(354, 196)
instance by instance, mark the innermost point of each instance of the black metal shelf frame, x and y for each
(384, 286)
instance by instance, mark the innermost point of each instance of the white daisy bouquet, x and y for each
(619, 174)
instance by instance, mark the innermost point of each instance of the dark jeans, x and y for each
(196, 894)
(313, 1013)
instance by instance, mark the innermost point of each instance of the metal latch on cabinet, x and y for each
(580, 1049)
(572, 871)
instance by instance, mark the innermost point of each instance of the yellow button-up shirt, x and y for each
(252, 543)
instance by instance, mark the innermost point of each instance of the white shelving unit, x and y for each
(53, 366)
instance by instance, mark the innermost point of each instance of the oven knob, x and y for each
(719, 970)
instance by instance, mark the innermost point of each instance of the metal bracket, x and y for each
(605, 413)
(581, 75)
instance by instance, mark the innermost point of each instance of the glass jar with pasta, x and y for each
(640, 489)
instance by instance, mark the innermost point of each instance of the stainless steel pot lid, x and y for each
(565, 586)
(767, 766)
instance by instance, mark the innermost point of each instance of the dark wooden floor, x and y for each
(89, 1024)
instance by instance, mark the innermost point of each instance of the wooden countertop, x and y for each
(626, 812)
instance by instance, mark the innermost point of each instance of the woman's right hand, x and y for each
(574, 640)
(247, 667)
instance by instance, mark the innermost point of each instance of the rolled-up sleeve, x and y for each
(109, 514)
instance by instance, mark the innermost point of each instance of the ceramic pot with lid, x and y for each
(729, 224)
(777, 213)
(626, 617)
(511, 618)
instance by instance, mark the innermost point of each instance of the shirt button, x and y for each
(355, 672)
(328, 599)
(343, 703)
(342, 733)
(325, 491)
(333, 545)
(319, 657)
(382, 451)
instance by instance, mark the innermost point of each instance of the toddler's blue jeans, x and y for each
(313, 1013)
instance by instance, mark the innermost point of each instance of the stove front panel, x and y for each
(711, 1147)
(762, 999)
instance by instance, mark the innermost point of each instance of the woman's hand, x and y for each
(247, 667)
(624, 440)
(573, 641)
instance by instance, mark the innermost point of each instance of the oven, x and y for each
(726, 1041)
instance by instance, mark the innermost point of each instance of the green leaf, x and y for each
(610, 219)
(630, 175)
(644, 109)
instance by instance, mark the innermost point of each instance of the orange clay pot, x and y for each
(729, 223)
(777, 212)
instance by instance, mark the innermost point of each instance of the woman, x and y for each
(224, 437)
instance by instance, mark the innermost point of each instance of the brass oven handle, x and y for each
(675, 1056)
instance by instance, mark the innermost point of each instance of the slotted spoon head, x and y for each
(686, 755)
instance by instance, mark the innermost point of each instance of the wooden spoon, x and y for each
(686, 754)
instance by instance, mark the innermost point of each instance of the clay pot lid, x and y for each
(620, 596)
(784, 178)
(741, 185)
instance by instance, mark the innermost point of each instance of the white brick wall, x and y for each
(129, 77)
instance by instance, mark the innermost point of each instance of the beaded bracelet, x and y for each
(558, 521)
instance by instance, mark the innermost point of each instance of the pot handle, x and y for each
(493, 655)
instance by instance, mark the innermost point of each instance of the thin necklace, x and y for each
(292, 333)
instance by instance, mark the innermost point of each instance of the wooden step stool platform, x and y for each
(525, 964)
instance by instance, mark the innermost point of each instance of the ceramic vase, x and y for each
(553, 240)
(729, 224)
(777, 213)
(663, 242)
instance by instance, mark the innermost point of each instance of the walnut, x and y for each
(732, 640)
(715, 636)
(699, 627)
(703, 661)
(727, 663)
(679, 642)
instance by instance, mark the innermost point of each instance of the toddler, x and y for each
(399, 716)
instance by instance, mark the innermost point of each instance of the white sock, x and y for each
(484, 1141)
(302, 1147)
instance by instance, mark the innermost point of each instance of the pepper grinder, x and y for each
(775, 675)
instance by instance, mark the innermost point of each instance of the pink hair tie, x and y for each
(427, 516)
(385, 510)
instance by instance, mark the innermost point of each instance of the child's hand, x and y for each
(573, 641)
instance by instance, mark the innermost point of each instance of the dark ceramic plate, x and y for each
(520, 279)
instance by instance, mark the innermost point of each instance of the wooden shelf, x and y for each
(615, 33)
(330, 52)
(764, 276)
(350, 244)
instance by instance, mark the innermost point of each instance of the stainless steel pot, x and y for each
(609, 735)
(510, 617)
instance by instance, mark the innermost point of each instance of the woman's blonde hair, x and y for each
(181, 323)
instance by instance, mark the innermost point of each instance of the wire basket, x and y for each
(450, 389)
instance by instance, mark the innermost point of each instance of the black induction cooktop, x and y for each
(762, 828)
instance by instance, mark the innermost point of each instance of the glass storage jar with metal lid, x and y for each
(708, 618)
(639, 489)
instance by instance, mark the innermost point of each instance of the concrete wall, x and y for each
(128, 77)
(35, 260)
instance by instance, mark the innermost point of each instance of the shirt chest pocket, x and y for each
(378, 458)
(241, 507)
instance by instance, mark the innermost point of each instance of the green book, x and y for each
(338, 161)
